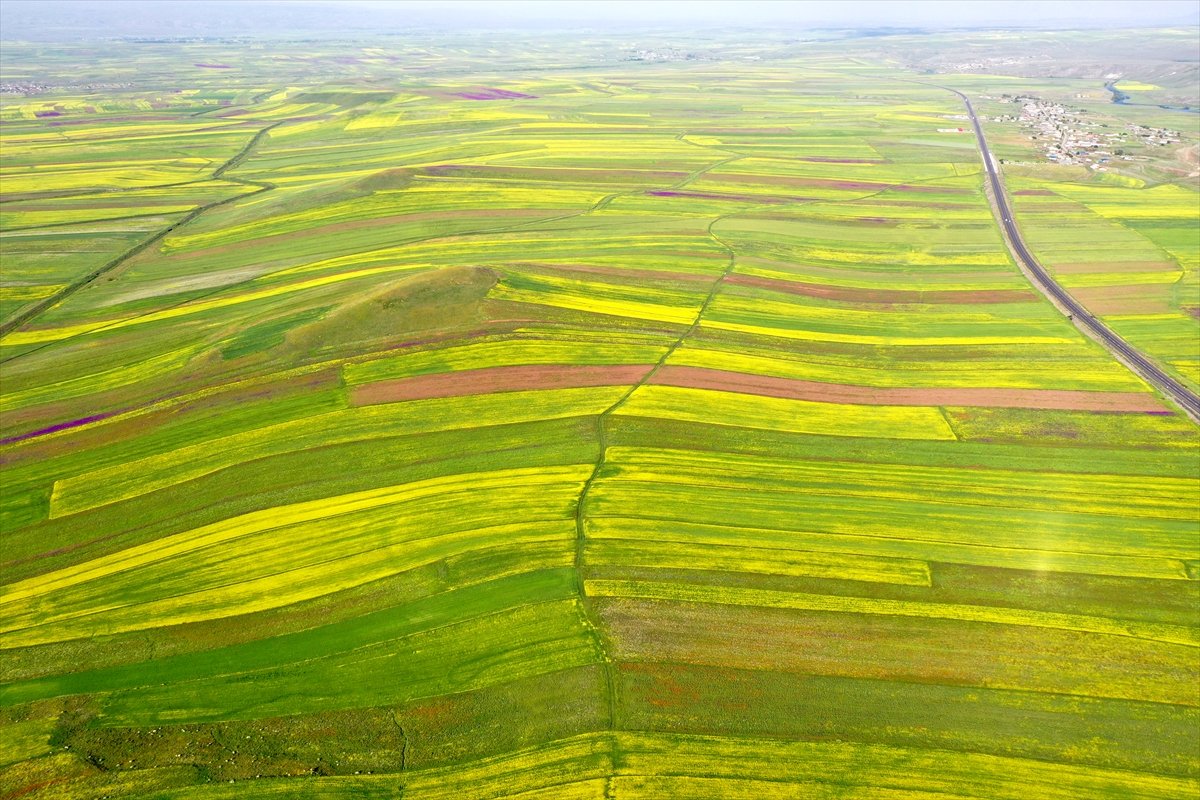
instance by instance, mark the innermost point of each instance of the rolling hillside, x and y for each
(373, 428)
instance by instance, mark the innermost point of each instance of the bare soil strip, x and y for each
(564, 376)
(495, 379)
(791, 389)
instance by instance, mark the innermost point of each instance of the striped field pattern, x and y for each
(661, 430)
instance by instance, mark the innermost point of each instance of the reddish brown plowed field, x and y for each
(768, 386)
(853, 295)
(1034, 193)
(1127, 291)
(496, 379)
(1130, 299)
(1129, 306)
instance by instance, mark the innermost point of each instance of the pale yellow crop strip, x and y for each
(217, 569)
(23, 740)
(142, 369)
(187, 399)
(1177, 315)
(280, 589)
(1045, 536)
(87, 168)
(735, 556)
(100, 381)
(799, 416)
(82, 217)
(54, 334)
(506, 351)
(417, 198)
(29, 292)
(1119, 493)
(583, 302)
(656, 785)
(766, 768)
(932, 285)
(278, 517)
(940, 771)
(906, 341)
(801, 313)
(887, 545)
(1094, 279)
(1103, 375)
(727, 595)
(134, 478)
(550, 756)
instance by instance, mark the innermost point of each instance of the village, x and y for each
(26, 88)
(1068, 137)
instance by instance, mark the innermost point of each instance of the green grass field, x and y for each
(391, 425)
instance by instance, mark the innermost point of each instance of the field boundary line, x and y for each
(599, 204)
(590, 621)
(90, 221)
(35, 311)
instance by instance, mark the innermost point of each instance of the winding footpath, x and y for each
(1146, 369)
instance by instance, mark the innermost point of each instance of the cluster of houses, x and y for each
(33, 87)
(982, 65)
(24, 88)
(1068, 137)
(1155, 136)
(666, 54)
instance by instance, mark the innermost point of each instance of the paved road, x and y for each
(1143, 366)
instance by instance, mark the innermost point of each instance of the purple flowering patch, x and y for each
(494, 94)
(62, 426)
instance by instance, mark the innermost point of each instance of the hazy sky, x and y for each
(49, 19)
(832, 13)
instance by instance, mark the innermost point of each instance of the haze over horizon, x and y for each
(599, 399)
(75, 19)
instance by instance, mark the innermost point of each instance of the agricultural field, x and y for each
(377, 423)
(1122, 239)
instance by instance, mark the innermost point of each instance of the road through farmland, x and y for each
(1130, 356)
